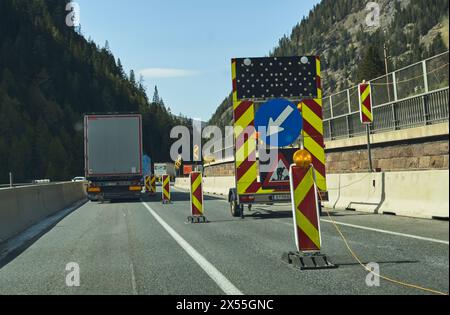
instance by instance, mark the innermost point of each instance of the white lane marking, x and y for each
(133, 280)
(381, 231)
(389, 232)
(224, 284)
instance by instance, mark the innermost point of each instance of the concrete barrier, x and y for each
(182, 183)
(22, 207)
(419, 194)
(211, 185)
(219, 185)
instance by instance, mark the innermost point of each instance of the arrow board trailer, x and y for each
(283, 95)
(113, 156)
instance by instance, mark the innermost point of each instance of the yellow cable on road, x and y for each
(413, 286)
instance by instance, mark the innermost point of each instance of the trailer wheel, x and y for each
(236, 210)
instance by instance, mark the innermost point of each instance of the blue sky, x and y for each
(185, 46)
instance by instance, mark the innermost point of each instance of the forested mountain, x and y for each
(50, 76)
(350, 50)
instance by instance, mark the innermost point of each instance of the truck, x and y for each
(164, 169)
(113, 156)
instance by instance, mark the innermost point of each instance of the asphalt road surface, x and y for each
(148, 248)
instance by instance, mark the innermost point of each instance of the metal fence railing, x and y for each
(416, 95)
(424, 109)
(413, 96)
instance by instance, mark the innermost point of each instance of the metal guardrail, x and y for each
(15, 185)
(34, 183)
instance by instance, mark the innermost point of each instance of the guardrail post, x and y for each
(425, 76)
(425, 110)
(347, 119)
(349, 102)
(10, 180)
(394, 116)
(331, 108)
(329, 130)
(394, 84)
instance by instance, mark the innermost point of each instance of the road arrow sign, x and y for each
(275, 126)
(279, 121)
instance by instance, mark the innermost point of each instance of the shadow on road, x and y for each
(267, 214)
(344, 213)
(184, 196)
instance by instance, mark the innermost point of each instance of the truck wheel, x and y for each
(236, 210)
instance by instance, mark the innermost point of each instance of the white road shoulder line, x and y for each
(381, 231)
(224, 284)
(388, 232)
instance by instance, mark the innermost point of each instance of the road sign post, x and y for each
(196, 198)
(369, 148)
(366, 114)
(165, 189)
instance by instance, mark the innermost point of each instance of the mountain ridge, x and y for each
(337, 31)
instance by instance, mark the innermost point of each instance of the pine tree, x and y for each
(371, 66)
(107, 46)
(156, 99)
(132, 78)
(437, 46)
(50, 76)
(120, 70)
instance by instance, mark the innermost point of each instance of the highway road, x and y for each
(148, 248)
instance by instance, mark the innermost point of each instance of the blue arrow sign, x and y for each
(280, 122)
(146, 165)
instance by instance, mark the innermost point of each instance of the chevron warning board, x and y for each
(152, 188)
(313, 140)
(150, 184)
(147, 183)
(365, 103)
(305, 209)
(165, 188)
(196, 195)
